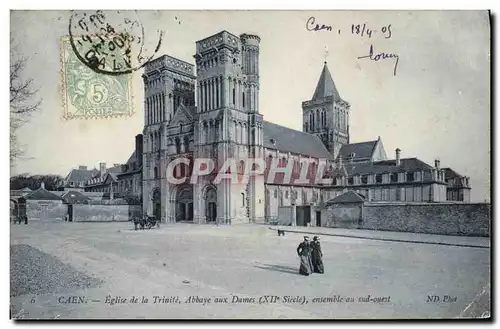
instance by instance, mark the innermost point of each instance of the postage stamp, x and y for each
(88, 94)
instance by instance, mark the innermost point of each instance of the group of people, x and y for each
(311, 256)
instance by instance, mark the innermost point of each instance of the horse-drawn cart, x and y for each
(146, 222)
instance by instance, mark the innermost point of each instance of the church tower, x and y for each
(326, 114)
(229, 124)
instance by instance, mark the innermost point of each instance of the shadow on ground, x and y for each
(279, 268)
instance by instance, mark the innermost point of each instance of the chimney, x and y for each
(398, 157)
(82, 167)
(138, 149)
(437, 164)
(116, 165)
(102, 168)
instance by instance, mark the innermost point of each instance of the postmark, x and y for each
(112, 42)
(87, 94)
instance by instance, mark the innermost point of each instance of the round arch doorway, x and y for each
(184, 204)
(211, 204)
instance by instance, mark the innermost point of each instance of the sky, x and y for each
(437, 106)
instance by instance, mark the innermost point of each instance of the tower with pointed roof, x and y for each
(326, 115)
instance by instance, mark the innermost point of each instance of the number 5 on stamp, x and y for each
(87, 94)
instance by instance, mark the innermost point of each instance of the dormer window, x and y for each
(352, 155)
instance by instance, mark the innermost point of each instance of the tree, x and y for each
(23, 103)
(51, 182)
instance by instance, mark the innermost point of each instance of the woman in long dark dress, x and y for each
(317, 256)
(304, 252)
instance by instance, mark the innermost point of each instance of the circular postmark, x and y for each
(111, 42)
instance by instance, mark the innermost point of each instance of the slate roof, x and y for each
(348, 197)
(75, 197)
(94, 195)
(450, 173)
(113, 175)
(294, 141)
(410, 164)
(360, 150)
(42, 194)
(80, 175)
(132, 158)
(326, 86)
(115, 170)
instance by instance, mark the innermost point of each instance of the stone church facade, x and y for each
(213, 112)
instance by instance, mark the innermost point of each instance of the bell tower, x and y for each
(228, 120)
(327, 114)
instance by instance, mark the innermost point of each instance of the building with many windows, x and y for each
(212, 111)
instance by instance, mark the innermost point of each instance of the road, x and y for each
(110, 271)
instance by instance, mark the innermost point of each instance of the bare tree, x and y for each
(23, 103)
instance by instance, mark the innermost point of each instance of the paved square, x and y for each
(183, 271)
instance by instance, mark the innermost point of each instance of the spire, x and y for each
(326, 86)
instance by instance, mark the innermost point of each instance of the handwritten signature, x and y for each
(382, 56)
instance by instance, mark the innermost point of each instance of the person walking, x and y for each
(317, 256)
(304, 252)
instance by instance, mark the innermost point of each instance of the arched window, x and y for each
(242, 199)
(317, 118)
(269, 161)
(177, 145)
(156, 172)
(241, 167)
(186, 143)
(234, 96)
(243, 100)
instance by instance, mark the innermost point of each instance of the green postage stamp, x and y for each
(88, 94)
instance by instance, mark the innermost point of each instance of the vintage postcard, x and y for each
(250, 164)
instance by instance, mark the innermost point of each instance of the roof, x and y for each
(360, 150)
(80, 175)
(450, 173)
(348, 197)
(326, 86)
(190, 109)
(42, 194)
(93, 195)
(115, 170)
(74, 197)
(113, 175)
(294, 141)
(132, 158)
(410, 164)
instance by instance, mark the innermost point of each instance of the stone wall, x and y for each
(105, 213)
(45, 209)
(347, 215)
(434, 218)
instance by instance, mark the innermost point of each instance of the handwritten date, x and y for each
(362, 30)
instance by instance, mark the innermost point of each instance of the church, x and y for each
(212, 111)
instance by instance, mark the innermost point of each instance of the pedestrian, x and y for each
(304, 252)
(317, 256)
(26, 220)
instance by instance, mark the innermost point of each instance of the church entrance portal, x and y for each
(184, 204)
(211, 204)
